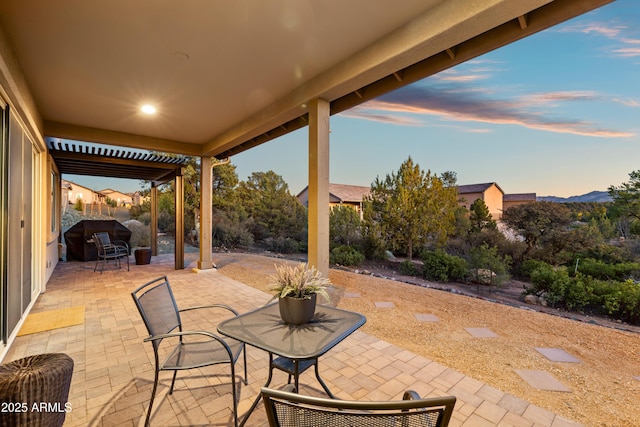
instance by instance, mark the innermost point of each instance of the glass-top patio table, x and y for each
(298, 347)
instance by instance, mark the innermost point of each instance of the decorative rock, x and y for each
(531, 299)
(389, 256)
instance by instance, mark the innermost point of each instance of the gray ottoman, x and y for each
(34, 390)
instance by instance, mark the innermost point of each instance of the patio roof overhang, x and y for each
(114, 163)
(228, 78)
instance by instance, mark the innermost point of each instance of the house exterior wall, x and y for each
(87, 195)
(36, 260)
(491, 196)
(467, 199)
(510, 200)
(120, 198)
(507, 204)
(493, 200)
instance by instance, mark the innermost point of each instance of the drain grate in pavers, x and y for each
(557, 355)
(426, 317)
(384, 304)
(351, 295)
(481, 332)
(542, 380)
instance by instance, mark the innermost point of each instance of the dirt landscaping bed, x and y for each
(605, 385)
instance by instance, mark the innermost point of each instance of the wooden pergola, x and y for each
(91, 160)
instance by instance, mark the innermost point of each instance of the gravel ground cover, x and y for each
(605, 384)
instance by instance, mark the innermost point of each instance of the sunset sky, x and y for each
(557, 113)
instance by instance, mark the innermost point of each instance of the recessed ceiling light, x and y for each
(148, 109)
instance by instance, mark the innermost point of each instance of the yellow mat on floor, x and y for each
(53, 319)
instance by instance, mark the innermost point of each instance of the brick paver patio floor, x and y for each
(113, 372)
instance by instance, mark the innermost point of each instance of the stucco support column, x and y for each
(154, 220)
(179, 249)
(206, 191)
(318, 254)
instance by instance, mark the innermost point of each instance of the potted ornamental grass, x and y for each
(297, 288)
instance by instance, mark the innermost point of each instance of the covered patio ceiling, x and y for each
(227, 76)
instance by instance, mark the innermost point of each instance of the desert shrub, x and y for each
(344, 226)
(550, 281)
(408, 268)
(373, 247)
(345, 255)
(610, 254)
(620, 300)
(579, 293)
(442, 267)
(230, 234)
(140, 233)
(79, 206)
(166, 222)
(282, 245)
(604, 271)
(486, 257)
(529, 266)
(70, 217)
(145, 218)
(628, 293)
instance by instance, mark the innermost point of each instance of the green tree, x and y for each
(537, 222)
(625, 208)
(411, 208)
(273, 211)
(344, 226)
(480, 217)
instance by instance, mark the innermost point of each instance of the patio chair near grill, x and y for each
(110, 250)
(184, 349)
(285, 408)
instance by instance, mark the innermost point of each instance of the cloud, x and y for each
(628, 52)
(551, 97)
(365, 114)
(457, 105)
(629, 49)
(605, 30)
(452, 75)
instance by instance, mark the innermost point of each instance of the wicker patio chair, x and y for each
(288, 409)
(34, 390)
(108, 249)
(184, 349)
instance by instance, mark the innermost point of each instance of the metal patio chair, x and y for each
(108, 250)
(186, 349)
(288, 409)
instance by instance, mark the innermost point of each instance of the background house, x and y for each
(121, 199)
(510, 200)
(340, 194)
(490, 193)
(73, 191)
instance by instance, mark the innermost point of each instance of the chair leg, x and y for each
(153, 395)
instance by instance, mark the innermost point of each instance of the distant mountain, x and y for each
(594, 196)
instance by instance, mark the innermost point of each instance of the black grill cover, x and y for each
(79, 241)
